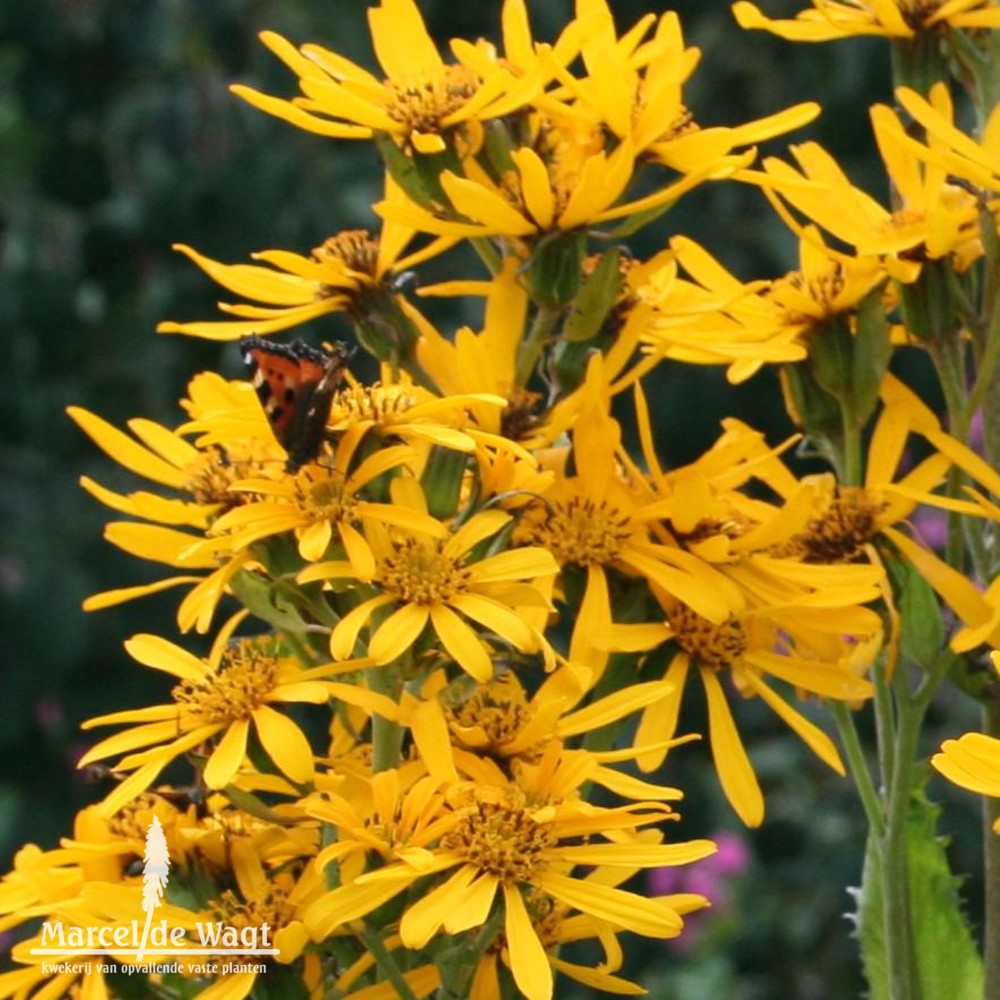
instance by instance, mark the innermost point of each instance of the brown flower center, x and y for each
(246, 675)
(421, 104)
(420, 573)
(501, 838)
(581, 532)
(710, 644)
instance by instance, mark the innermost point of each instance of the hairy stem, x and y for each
(386, 964)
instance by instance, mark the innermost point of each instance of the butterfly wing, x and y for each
(295, 384)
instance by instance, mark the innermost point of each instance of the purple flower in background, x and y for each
(707, 878)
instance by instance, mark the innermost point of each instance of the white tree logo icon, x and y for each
(156, 865)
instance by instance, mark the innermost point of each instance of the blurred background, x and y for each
(118, 137)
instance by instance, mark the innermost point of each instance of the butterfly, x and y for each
(295, 384)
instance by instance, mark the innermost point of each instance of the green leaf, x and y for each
(872, 351)
(831, 350)
(596, 297)
(270, 600)
(947, 960)
(554, 268)
(442, 480)
(922, 634)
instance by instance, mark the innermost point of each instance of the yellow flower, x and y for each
(793, 640)
(716, 319)
(218, 699)
(556, 928)
(828, 522)
(567, 182)
(321, 505)
(521, 841)
(974, 160)
(423, 99)
(905, 412)
(832, 19)
(973, 760)
(199, 475)
(604, 522)
(935, 218)
(456, 724)
(344, 274)
(633, 87)
(398, 814)
(422, 579)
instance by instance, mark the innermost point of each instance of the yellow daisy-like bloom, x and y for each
(906, 413)
(202, 476)
(397, 814)
(974, 160)
(488, 361)
(556, 927)
(457, 724)
(199, 475)
(717, 319)
(634, 88)
(566, 181)
(599, 521)
(222, 696)
(521, 841)
(322, 506)
(835, 523)
(423, 579)
(973, 760)
(102, 849)
(905, 19)
(343, 274)
(794, 641)
(423, 100)
(935, 219)
(396, 409)
(100, 907)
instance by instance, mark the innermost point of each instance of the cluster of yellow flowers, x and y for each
(462, 601)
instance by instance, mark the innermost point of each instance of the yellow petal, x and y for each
(487, 207)
(398, 633)
(424, 918)
(620, 908)
(285, 744)
(125, 451)
(528, 961)
(461, 643)
(731, 761)
(811, 735)
(535, 186)
(160, 654)
(228, 756)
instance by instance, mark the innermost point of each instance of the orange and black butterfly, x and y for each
(295, 384)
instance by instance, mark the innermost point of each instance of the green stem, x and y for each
(851, 461)
(386, 964)
(488, 254)
(885, 722)
(459, 964)
(991, 869)
(948, 356)
(387, 736)
(903, 978)
(531, 348)
(843, 717)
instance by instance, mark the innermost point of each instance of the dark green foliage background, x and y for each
(118, 137)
